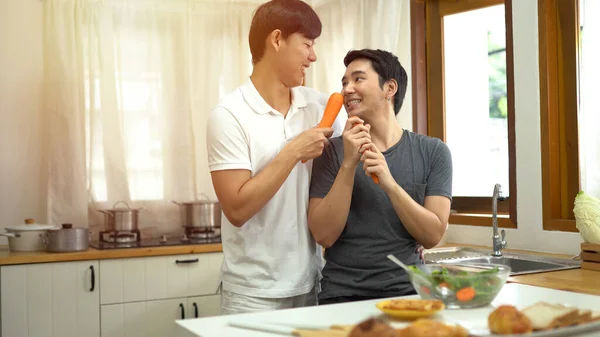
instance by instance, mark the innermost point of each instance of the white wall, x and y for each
(22, 173)
(530, 233)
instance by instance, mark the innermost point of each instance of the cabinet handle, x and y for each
(93, 279)
(186, 261)
(182, 310)
(195, 309)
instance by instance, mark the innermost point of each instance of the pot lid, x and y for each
(195, 202)
(67, 226)
(124, 208)
(29, 227)
(205, 200)
(121, 209)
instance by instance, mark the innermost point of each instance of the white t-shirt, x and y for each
(273, 254)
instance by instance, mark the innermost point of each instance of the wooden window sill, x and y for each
(481, 220)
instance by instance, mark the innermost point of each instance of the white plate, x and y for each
(574, 331)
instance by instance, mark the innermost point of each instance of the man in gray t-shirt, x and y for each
(378, 189)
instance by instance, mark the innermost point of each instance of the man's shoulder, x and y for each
(232, 100)
(424, 140)
(312, 95)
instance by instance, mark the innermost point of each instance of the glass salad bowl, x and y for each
(460, 285)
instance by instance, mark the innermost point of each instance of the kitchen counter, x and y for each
(475, 320)
(576, 280)
(9, 258)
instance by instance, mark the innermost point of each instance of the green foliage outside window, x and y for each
(497, 78)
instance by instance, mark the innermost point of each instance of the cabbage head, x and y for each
(587, 217)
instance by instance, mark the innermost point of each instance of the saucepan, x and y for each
(67, 239)
(123, 219)
(200, 213)
(27, 237)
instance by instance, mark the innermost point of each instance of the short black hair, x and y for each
(289, 16)
(387, 66)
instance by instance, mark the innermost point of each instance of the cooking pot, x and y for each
(200, 213)
(67, 239)
(27, 238)
(121, 219)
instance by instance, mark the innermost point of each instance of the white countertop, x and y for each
(475, 320)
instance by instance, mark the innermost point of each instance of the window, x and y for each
(558, 45)
(464, 95)
(127, 128)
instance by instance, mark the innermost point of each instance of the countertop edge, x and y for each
(15, 258)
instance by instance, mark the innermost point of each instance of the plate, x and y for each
(406, 314)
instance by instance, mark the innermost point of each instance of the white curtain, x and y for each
(357, 24)
(129, 85)
(589, 112)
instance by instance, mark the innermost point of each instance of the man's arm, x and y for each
(240, 195)
(426, 223)
(331, 189)
(327, 216)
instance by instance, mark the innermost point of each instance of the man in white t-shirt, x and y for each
(258, 137)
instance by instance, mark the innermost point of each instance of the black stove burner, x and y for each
(156, 242)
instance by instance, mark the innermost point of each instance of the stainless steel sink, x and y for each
(520, 263)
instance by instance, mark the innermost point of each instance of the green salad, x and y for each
(455, 285)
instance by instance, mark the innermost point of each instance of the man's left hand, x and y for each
(374, 163)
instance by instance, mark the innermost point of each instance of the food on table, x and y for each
(414, 304)
(545, 316)
(458, 285)
(430, 328)
(373, 327)
(507, 319)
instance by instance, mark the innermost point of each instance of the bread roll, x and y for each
(507, 319)
(373, 327)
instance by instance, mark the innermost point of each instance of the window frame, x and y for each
(428, 99)
(558, 25)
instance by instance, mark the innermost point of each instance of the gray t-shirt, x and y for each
(356, 264)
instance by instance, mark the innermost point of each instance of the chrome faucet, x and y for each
(498, 243)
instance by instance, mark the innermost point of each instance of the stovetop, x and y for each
(155, 242)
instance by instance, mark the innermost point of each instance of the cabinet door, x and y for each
(204, 280)
(144, 319)
(159, 277)
(204, 306)
(50, 299)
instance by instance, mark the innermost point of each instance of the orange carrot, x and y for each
(444, 285)
(332, 109)
(465, 294)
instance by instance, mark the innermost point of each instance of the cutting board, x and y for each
(590, 256)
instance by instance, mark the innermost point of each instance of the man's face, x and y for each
(361, 90)
(293, 59)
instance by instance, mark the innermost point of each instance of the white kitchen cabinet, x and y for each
(142, 297)
(50, 300)
(150, 318)
(203, 306)
(160, 277)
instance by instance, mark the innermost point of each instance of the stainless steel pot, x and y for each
(27, 238)
(121, 219)
(67, 239)
(200, 214)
